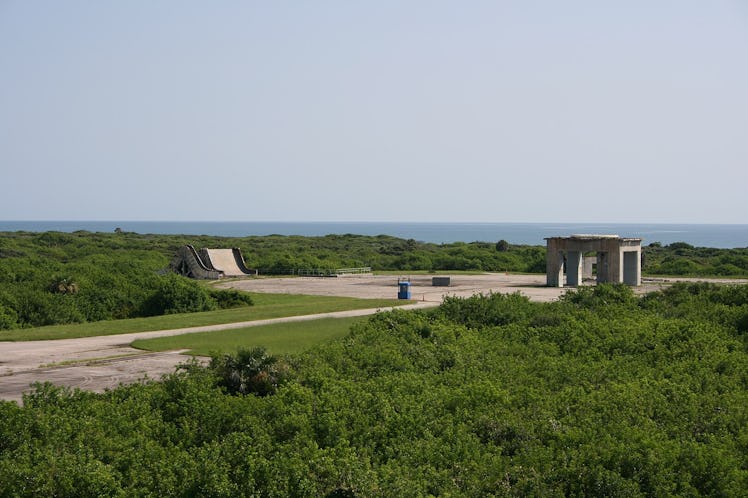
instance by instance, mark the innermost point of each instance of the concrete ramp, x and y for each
(228, 261)
(189, 263)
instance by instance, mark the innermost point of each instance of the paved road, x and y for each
(103, 362)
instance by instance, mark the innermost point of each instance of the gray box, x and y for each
(441, 281)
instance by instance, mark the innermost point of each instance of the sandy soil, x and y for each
(99, 363)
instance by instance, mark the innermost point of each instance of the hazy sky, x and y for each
(629, 111)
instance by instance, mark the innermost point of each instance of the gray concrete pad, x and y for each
(385, 286)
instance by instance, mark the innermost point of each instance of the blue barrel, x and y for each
(403, 291)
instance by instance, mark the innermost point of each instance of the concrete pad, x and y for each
(385, 286)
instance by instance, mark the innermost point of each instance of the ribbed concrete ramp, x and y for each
(228, 261)
(189, 263)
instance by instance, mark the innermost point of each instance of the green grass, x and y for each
(266, 306)
(277, 338)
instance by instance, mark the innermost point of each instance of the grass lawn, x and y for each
(266, 306)
(277, 338)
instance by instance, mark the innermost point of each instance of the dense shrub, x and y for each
(8, 317)
(230, 298)
(487, 310)
(175, 294)
(680, 258)
(605, 294)
(603, 395)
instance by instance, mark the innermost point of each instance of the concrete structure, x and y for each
(228, 261)
(187, 262)
(617, 259)
(210, 264)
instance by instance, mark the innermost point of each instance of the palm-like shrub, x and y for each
(64, 285)
(249, 371)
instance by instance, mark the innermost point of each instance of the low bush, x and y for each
(175, 294)
(230, 298)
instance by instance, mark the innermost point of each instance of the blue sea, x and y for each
(700, 235)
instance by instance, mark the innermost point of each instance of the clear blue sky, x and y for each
(523, 111)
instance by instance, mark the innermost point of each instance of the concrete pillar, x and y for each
(589, 262)
(632, 268)
(574, 268)
(615, 256)
(554, 264)
(602, 267)
(555, 269)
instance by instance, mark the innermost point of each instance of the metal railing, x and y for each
(327, 272)
(318, 272)
(354, 271)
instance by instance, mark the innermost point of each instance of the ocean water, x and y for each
(701, 235)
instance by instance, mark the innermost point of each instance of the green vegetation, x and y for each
(278, 254)
(278, 338)
(680, 258)
(600, 394)
(60, 278)
(249, 371)
(55, 278)
(265, 306)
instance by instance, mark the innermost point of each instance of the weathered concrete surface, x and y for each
(94, 376)
(618, 259)
(103, 362)
(422, 289)
(227, 261)
(188, 262)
